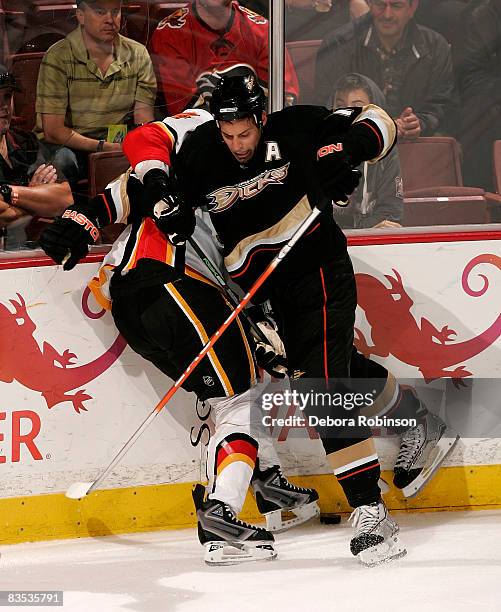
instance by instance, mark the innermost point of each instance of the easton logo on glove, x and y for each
(328, 149)
(82, 220)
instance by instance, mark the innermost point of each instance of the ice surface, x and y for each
(453, 563)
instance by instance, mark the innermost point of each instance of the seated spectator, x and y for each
(378, 199)
(410, 63)
(193, 46)
(313, 19)
(91, 84)
(29, 183)
(480, 85)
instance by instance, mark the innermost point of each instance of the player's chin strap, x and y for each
(81, 489)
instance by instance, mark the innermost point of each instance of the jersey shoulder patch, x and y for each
(176, 20)
(252, 16)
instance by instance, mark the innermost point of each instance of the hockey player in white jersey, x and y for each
(167, 321)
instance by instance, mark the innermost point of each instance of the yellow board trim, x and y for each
(160, 507)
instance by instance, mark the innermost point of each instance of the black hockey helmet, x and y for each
(238, 95)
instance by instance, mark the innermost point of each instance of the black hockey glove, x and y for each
(269, 361)
(337, 177)
(172, 215)
(157, 185)
(174, 218)
(69, 236)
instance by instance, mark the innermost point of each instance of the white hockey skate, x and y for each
(422, 450)
(376, 538)
(276, 495)
(227, 539)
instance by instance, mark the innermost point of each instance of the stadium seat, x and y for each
(496, 163)
(303, 54)
(494, 199)
(430, 162)
(25, 67)
(103, 168)
(433, 184)
(446, 210)
(46, 22)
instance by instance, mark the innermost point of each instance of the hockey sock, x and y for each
(407, 406)
(395, 401)
(235, 461)
(357, 469)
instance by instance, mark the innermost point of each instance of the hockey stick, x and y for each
(228, 293)
(81, 489)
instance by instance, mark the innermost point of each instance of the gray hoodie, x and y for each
(379, 195)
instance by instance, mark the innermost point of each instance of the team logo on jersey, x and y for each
(328, 149)
(209, 381)
(225, 197)
(272, 151)
(176, 20)
(251, 16)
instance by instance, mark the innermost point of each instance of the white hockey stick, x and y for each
(80, 489)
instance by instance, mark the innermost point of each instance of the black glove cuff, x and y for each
(363, 142)
(157, 185)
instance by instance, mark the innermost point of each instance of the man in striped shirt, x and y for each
(92, 79)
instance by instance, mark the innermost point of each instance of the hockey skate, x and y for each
(275, 494)
(376, 535)
(422, 450)
(228, 540)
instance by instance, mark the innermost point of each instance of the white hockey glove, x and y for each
(269, 329)
(271, 357)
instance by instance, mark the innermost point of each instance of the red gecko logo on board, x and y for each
(395, 331)
(52, 373)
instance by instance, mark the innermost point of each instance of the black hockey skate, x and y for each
(228, 540)
(275, 494)
(422, 450)
(376, 535)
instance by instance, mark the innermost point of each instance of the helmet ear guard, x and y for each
(237, 97)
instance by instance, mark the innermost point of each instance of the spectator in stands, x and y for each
(480, 84)
(313, 19)
(377, 201)
(89, 82)
(195, 44)
(410, 63)
(29, 183)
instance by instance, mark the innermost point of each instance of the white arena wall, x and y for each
(64, 424)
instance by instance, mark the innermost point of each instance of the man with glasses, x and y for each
(411, 64)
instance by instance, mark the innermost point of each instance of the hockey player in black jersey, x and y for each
(313, 294)
(259, 176)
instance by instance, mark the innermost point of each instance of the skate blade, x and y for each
(389, 550)
(234, 553)
(276, 523)
(433, 461)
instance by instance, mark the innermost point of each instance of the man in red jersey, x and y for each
(198, 43)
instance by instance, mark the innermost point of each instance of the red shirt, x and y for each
(184, 49)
